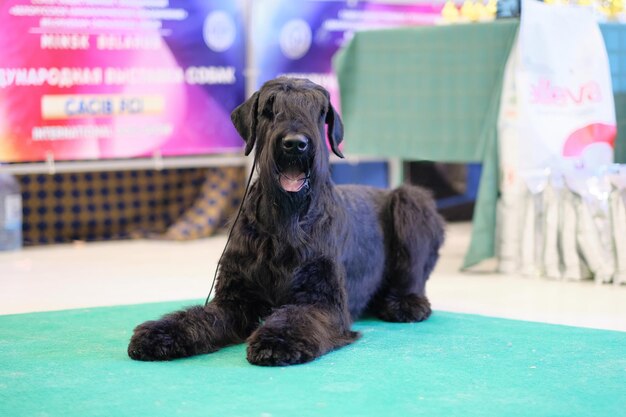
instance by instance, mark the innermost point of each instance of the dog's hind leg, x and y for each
(414, 232)
(315, 320)
(193, 331)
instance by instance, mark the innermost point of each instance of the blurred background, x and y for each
(119, 166)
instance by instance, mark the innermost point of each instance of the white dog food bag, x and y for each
(617, 208)
(574, 268)
(552, 198)
(557, 113)
(563, 81)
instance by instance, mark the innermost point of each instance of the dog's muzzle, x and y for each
(295, 176)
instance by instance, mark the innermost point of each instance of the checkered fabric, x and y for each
(220, 195)
(113, 205)
(430, 93)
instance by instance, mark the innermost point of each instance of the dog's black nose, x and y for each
(295, 144)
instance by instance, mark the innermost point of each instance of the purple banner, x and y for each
(299, 38)
(118, 78)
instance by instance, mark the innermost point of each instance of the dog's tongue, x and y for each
(292, 180)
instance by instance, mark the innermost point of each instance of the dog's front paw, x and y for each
(405, 309)
(155, 341)
(267, 347)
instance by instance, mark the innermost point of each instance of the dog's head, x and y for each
(285, 120)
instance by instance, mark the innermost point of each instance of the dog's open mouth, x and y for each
(293, 179)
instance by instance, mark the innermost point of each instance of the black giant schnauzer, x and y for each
(306, 257)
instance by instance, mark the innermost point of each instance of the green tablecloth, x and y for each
(433, 93)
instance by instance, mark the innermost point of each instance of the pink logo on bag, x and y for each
(594, 133)
(545, 93)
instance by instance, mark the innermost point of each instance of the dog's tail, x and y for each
(414, 233)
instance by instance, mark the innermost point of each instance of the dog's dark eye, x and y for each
(268, 108)
(268, 112)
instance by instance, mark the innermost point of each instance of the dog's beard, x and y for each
(292, 184)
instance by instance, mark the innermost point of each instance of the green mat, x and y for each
(73, 363)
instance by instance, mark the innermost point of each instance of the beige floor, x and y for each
(129, 272)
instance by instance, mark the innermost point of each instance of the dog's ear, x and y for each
(335, 130)
(244, 117)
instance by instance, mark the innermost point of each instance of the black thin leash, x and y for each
(230, 232)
